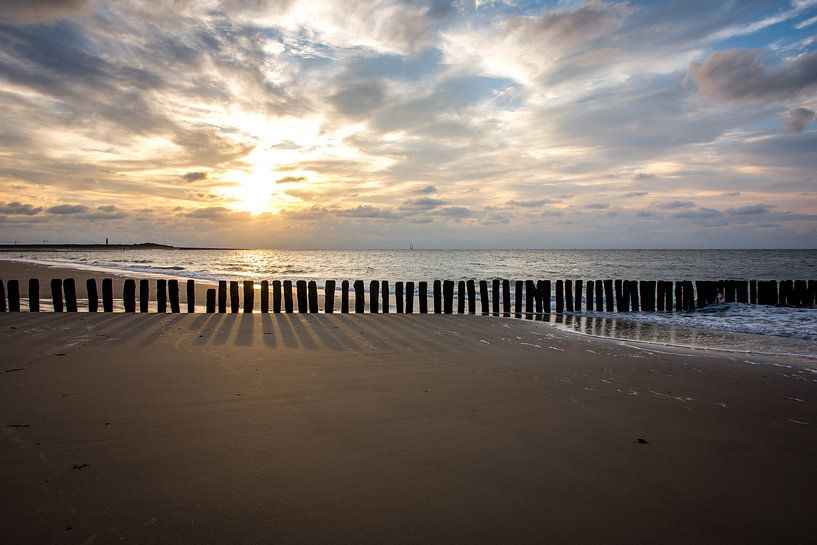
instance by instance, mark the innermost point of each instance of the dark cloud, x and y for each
(643, 176)
(290, 179)
(798, 119)
(67, 209)
(635, 194)
(19, 209)
(194, 176)
(425, 190)
(597, 206)
(455, 212)
(364, 211)
(739, 74)
(40, 11)
(422, 203)
(699, 213)
(751, 209)
(530, 203)
(107, 212)
(564, 29)
(676, 204)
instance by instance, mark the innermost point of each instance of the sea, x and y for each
(739, 328)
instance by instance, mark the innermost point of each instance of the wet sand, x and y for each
(392, 429)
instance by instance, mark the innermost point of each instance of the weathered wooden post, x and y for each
(484, 300)
(399, 300)
(289, 305)
(374, 296)
(222, 296)
(753, 292)
(689, 296)
(560, 297)
(660, 290)
(518, 289)
(538, 297)
(276, 296)
(56, 294)
(129, 295)
(329, 297)
(191, 296)
(161, 295)
(577, 303)
(742, 291)
(235, 304)
(609, 304)
(569, 295)
(530, 296)
(634, 301)
(210, 301)
(312, 296)
(344, 297)
(173, 295)
(506, 298)
(249, 296)
(438, 297)
(800, 293)
(679, 295)
(33, 295)
(448, 296)
(589, 296)
(812, 292)
(107, 295)
(599, 295)
(300, 290)
(3, 307)
(461, 297)
(360, 301)
(409, 297)
(14, 295)
(471, 286)
(785, 293)
(422, 295)
(668, 295)
(544, 289)
(647, 289)
(625, 296)
(495, 296)
(385, 296)
(265, 296)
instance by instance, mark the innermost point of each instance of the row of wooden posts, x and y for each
(529, 296)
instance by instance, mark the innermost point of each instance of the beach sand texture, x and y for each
(392, 429)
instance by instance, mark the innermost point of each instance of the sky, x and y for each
(378, 124)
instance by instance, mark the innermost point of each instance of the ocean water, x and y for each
(750, 328)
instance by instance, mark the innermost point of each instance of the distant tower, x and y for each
(106, 242)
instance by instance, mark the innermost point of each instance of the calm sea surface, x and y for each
(740, 327)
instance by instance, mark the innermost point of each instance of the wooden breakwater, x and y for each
(496, 298)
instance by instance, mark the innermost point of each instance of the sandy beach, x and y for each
(393, 429)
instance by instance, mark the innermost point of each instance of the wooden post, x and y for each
(647, 295)
(589, 296)
(249, 296)
(210, 301)
(753, 292)
(374, 296)
(812, 292)
(786, 293)
(344, 297)
(399, 300)
(300, 290)
(668, 296)
(495, 296)
(538, 297)
(530, 296)
(599, 295)
(484, 299)
(560, 297)
(506, 298)
(409, 297)
(384, 296)
(577, 298)
(235, 304)
(33, 295)
(634, 301)
(544, 289)
(222, 296)
(471, 286)
(70, 290)
(288, 302)
(14, 295)
(329, 297)
(742, 291)
(438, 297)
(422, 295)
(360, 301)
(609, 304)
(312, 296)
(461, 297)
(569, 295)
(619, 294)
(3, 307)
(265, 296)
(276, 296)
(161, 295)
(518, 290)
(144, 295)
(56, 294)
(173, 295)
(625, 296)
(679, 295)
(191, 296)
(660, 289)
(801, 293)
(689, 296)
(107, 295)
(448, 296)
(129, 295)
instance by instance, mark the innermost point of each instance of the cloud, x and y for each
(68, 209)
(19, 209)
(425, 190)
(597, 206)
(107, 212)
(194, 176)
(530, 203)
(798, 119)
(740, 74)
(422, 203)
(40, 11)
(364, 211)
(699, 213)
(290, 179)
(562, 29)
(635, 194)
(676, 204)
(455, 212)
(751, 209)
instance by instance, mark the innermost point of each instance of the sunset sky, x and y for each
(331, 123)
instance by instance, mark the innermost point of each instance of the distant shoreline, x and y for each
(140, 246)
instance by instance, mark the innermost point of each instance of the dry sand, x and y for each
(392, 429)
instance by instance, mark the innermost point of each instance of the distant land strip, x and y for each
(139, 246)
